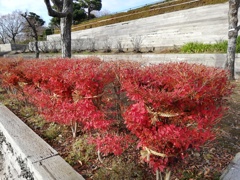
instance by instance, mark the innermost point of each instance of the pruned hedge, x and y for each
(164, 109)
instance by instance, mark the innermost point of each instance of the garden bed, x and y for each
(207, 163)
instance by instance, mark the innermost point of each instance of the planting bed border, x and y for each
(26, 155)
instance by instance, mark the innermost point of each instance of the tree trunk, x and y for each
(232, 36)
(66, 24)
(32, 25)
(66, 37)
(65, 12)
(34, 28)
(13, 40)
(36, 49)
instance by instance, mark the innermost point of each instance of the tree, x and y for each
(78, 13)
(11, 25)
(54, 23)
(3, 36)
(91, 5)
(64, 11)
(232, 36)
(34, 27)
(78, 16)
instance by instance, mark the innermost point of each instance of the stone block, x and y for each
(233, 170)
(26, 156)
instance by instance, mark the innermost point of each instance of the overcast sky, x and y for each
(38, 6)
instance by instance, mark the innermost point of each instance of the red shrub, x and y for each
(70, 91)
(170, 107)
(111, 143)
(174, 108)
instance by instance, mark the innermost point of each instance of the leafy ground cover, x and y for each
(217, 47)
(207, 163)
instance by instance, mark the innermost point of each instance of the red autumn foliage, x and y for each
(175, 107)
(170, 108)
(111, 143)
(9, 73)
(70, 91)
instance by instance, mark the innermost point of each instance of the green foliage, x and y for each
(122, 169)
(194, 47)
(34, 25)
(54, 22)
(52, 131)
(27, 111)
(2, 91)
(218, 47)
(81, 151)
(36, 18)
(37, 121)
(91, 5)
(78, 13)
(48, 31)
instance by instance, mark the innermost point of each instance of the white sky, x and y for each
(38, 6)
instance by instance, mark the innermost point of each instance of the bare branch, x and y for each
(54, 13)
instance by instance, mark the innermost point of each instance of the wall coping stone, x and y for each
(42, 161)
(232, 172)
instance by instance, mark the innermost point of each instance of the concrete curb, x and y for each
(26, 155)
(233, 170)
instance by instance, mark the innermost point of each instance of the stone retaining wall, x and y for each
(26, 156)
(206, 24)
(212, 60)
(13, 47)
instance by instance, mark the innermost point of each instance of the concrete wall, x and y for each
(19, 47)
(5, 47)
(204, 24)
(212, 60)
(24, 155)
(12, 47)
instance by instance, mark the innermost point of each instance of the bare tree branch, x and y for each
(11, 25)
(54, 13)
